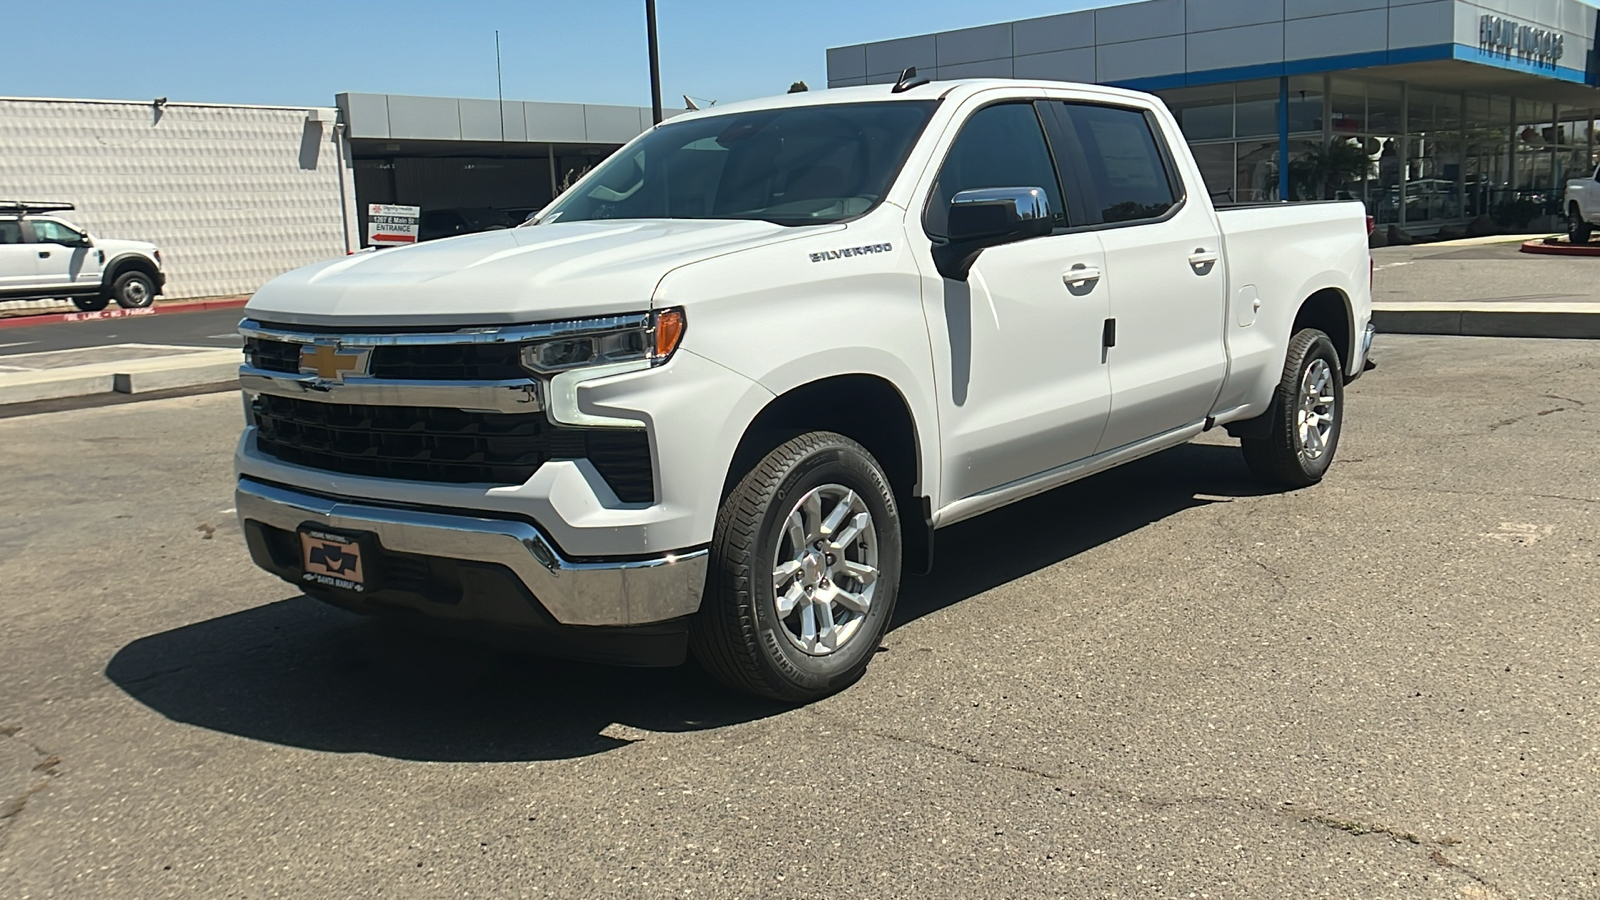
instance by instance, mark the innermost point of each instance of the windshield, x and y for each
(804, 165)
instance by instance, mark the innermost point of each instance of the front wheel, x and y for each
(91, 304)
(805, 568)
(134, 290)
(1304, 420)
(1577, 229)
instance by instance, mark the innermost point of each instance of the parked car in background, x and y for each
(1582, 207)
(43, 256)
(719, 395)
(443, 223)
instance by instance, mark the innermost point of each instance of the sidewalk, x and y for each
(1485, 287)
(18, 313)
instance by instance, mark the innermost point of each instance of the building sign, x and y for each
(390, 225)
(1498, 34)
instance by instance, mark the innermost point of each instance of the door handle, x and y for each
(1080, 274)
(1203, 258)
(44, 254)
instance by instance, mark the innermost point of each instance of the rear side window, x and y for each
(1000, 146)
(1128, 179)
(10, 231)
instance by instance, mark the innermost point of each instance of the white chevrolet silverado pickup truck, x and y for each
(719, 396)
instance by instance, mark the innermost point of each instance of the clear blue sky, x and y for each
(300, 52)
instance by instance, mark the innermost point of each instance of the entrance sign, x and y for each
(1499, 34)
(390, 225)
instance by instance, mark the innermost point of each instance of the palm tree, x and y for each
(1320, 170)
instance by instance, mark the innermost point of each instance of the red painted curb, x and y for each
(1540, 246)
(117, 313)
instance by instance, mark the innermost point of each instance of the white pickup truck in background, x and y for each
(43, 256)
(719, 396)
(1582, 207)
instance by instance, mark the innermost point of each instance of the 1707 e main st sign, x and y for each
(1501, 35)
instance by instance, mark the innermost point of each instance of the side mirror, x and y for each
(990, 217)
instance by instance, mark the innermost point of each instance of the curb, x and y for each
(1489, 323)
(166, 309)
(128, 377)
(1541, 246)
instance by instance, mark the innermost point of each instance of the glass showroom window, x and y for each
(1204, 113)
(1433, 156)
(1485, 141)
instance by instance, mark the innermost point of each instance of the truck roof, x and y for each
(933, 90)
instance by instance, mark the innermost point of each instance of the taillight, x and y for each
(1372, 225)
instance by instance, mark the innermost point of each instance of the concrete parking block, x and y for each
(1508, 320)
(181, 367)
(25, 387)
(194, 369)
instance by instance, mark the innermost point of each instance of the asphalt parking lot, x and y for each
(1160, 682)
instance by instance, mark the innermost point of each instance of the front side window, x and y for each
(1000, 146)
(48, 231)
(1128, 178)
(804, 165)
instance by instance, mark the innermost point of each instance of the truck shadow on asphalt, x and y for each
(300, 673)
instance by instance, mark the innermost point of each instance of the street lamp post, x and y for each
(655, 61)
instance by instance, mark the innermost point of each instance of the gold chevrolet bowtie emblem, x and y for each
(329, 363)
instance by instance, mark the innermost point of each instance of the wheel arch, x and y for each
(1328, 310)
(867, 408)
(130, 262)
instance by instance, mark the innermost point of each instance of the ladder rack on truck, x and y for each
(33, 207)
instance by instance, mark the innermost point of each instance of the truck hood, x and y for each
(542, 272)
(113, 247)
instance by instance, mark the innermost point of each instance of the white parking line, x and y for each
(18, 344)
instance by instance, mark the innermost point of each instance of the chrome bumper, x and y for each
(1364, 361)
(631, 592)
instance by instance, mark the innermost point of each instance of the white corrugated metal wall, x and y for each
(233, 195)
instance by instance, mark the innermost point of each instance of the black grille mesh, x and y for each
(423, 362)
(444, 445)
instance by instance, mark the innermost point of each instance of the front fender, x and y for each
(832, 302)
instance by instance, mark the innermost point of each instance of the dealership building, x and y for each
(1435, 113)
(1460, 109)
(235, 195)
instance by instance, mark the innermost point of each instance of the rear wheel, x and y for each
(133, 290)
(1304, 420)
(92, 304)
(804, 573)
(1577, 229)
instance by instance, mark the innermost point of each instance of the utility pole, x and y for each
(655, 61)
(499, 86)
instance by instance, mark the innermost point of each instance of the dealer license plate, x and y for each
(332, 560)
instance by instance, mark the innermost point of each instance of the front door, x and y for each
(1022, 388)
(65, 258)
(1164, 268)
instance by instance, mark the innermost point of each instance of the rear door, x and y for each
(17, 266)
(1164, 269)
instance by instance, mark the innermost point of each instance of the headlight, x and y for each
(646, 338)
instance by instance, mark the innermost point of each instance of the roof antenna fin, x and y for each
(909, 80)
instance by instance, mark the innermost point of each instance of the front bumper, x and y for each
(625, 592)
